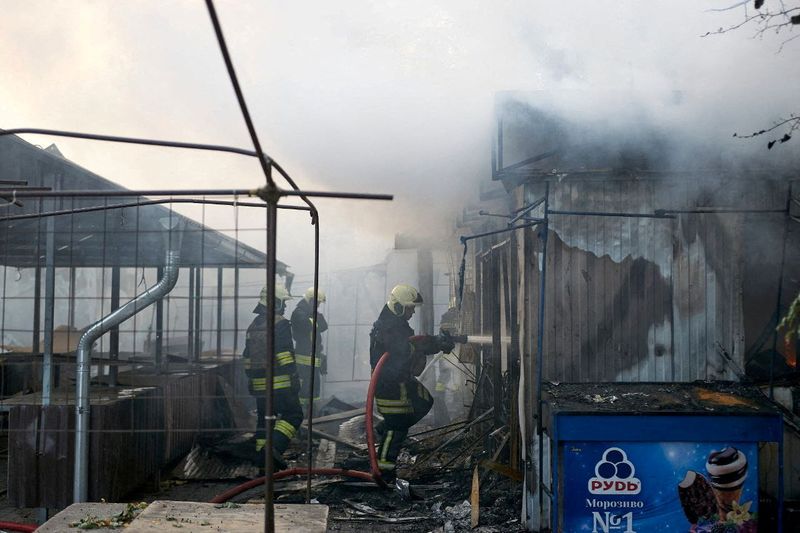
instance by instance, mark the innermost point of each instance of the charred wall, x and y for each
(652, 299)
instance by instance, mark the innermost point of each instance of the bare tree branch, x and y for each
(776, 17)
(793, 123)
(734, 6)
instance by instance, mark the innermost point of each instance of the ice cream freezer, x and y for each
(659, 457)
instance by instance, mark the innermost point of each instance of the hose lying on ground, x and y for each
(235, 491)
(14, 526)
(373, 475)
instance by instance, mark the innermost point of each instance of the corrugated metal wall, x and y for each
(640, 299)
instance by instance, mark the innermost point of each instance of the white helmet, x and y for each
(404, 296)
(309, 295)
(280, 294)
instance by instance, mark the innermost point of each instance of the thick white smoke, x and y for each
(372, 96)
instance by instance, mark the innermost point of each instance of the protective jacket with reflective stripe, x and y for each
(391, 333)
(256, 344)
(302, 322)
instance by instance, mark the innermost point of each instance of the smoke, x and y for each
(390, 97)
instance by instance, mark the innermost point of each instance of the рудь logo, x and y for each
(614, 474)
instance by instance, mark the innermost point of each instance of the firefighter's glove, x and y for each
(425, 344)
(445, 342)
(323, 366)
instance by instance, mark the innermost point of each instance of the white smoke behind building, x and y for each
(392, 97)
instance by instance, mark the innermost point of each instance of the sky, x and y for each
(369, 96)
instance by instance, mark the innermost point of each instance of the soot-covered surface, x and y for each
(438, 498)
(622, 398)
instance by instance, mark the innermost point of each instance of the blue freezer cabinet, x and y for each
(655, 458)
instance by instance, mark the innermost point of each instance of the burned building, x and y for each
(614, 258)
(616, 297)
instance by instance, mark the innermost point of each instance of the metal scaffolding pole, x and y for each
(198, 314)
(219, 311)
(49, 310)
(159, 348)
(315, 303)
(114, 341)
(272, 222)
(190, 324)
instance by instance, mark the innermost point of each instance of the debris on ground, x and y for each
(432, 492)
(227, 505)
(597, 398)
(132, 510)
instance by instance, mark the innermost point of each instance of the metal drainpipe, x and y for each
(95, 331)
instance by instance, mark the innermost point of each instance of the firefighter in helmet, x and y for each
(303, 330)
(285, 383)
(400, 397)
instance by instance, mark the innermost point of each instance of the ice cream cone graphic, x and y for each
(727, 470)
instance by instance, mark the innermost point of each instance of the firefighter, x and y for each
(302, 328)
(286, 386)
(401, 399)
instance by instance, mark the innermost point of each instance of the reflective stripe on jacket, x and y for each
(302, 329)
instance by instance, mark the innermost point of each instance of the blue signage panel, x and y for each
(644, 487)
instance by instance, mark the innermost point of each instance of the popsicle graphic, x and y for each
(696, 497)
(727, 470)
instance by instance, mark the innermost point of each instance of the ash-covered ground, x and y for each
(435, 498)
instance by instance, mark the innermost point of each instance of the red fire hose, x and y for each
(373, 455)
(235, 491)
(373, 475)
(13, 526)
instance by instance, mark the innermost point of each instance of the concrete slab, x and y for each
(195, 517)
(77, 511)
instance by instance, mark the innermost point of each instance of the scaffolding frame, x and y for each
(270, 194)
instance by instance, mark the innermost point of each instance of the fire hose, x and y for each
(373, 475)
(14, 526)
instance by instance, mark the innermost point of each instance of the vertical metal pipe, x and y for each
(80, 485)
(497, 350)
(219, 311)
(190, 327)
(159, 327)
(236, 308)
(37, 305)
(114, 334)
(41, 513)
(272, 222)
(71, 312)
(314, 302)
(49, 309)
(198, 314)
(236, 276)
(477, 324)
(545, 228)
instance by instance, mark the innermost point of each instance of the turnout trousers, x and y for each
(285, 403)
(402, 404)
(304, 371)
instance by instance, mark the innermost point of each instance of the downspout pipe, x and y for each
(172, 243)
